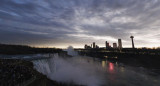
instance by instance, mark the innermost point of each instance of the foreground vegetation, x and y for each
(21, 73)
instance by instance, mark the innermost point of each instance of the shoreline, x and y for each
(16, 72)
(147, 61)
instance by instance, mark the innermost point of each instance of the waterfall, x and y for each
(69, 70)
(86, 71)
(46, 66)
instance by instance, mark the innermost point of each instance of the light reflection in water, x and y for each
(122, 69)
(104, 64)
(109, 74)
(111, 66)
(108, 65)
(117, 64)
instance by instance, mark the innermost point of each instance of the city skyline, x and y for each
(60, 23)
(116, 45)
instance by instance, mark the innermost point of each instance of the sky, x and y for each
(60, 23)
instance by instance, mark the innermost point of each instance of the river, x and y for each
(90, 71)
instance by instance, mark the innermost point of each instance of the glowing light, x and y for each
(106, 56)
(103, 64)
(111, 66)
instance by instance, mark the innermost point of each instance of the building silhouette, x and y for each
(120, 44)
(87, 47)
(132, 41)
(114, 45)
(94, 45)
(97, 46)
(107, 45)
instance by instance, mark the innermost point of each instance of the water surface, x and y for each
(95, 72)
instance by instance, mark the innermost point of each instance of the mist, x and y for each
(71, 70)
(89, 71)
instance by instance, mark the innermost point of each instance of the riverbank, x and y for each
(146, 60)
(21, 73)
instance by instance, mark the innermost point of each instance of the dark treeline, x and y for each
(23, 49)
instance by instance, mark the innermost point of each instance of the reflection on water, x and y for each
(120, 75)
(108, 65)
(103, 64)
(123, 75)
(122, 69)
(95, 72)
(111, 66)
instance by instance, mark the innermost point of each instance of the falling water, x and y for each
(91, 72)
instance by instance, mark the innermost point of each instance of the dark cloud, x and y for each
(74, 22)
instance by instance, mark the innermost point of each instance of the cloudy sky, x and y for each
(59, 23)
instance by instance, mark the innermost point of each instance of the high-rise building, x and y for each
(114, 45)
(132, 41)
(120, 44)
(107, 45)
(94, 45)
(85, 46)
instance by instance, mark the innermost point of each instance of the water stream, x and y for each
(89, 71)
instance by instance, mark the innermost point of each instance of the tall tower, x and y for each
(119, 44)
(132, 41)
(107, 45)
(94, 45)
